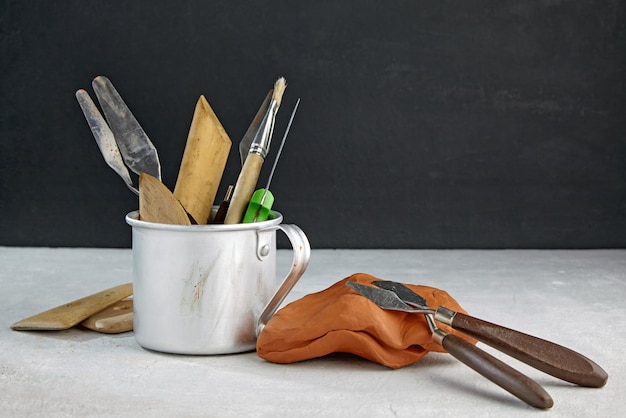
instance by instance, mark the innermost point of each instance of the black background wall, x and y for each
(423, 124)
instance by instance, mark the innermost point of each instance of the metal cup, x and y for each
(208, 289)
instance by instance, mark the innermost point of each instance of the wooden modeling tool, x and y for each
(203, 163)
(157, 204)
(249, 175)
(70, 314)
(115, 319)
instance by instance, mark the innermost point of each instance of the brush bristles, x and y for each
(279, 89)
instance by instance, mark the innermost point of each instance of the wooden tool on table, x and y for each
(246, 182)
(204, 159)
(157, 204)
(115, 319)
(67, 315)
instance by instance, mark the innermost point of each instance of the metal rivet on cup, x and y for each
(264, 242)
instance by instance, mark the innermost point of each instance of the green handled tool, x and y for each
(262, 199)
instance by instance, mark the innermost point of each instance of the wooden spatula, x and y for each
(202, 166)
(115, 319)
(158, 204)
(70, 314)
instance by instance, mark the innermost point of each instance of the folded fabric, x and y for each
(339, 320)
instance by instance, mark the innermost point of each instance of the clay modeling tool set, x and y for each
(124, 145)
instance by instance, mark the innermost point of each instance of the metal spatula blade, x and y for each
(104, 138)
(385, 299)
(404, 293)
(248, 137)
(139, 153)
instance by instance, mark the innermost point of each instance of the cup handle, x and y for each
(301, 255)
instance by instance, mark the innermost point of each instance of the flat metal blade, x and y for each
(403, 292)
(137, 150)
(104, 137)
(385, 299)
(248, 137)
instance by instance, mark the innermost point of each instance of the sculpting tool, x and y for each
(223, 208)
(551, 358)
(115, 319)
(490, 367)
(202, 166)
(263, 199)
(69, 314)
(158, 204)
(104, 138)
(137, 150)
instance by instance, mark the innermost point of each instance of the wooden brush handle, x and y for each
(244, 188)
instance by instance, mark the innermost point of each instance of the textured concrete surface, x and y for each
(574, 298)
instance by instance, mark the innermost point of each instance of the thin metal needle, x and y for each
(282, 144)
(280, 150)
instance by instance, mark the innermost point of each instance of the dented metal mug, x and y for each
(208, 289)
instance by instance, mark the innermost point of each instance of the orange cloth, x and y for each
(339, 320)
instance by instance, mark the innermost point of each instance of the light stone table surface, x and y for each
(574, 298)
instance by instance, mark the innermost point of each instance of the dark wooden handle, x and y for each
(551, 358)
(498, 372)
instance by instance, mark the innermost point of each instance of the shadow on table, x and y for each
(78, 333)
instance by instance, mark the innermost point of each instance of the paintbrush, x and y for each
(262, 200)
(249, 175)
